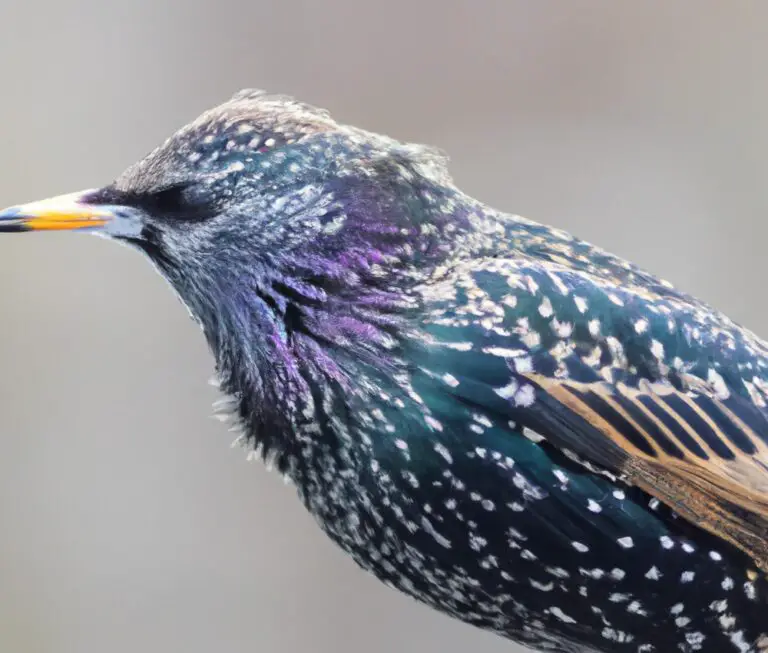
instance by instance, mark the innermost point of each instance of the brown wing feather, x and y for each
(726, 495)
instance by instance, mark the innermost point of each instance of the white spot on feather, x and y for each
(545, 308)
(718, 384)
(443, 451)
(653, 573)
(433, 423)
(503, 352)
(524, 364)
(532, 435)
(562, 329)
(657, 349)
(508, 391)
(429, 528)
(531, 339)
(450, 380)
(525, 396)
(557, 612)
(459, 346)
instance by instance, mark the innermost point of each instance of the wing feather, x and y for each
(675, 451)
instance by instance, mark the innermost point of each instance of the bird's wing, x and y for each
(688, 449)
(649, 386)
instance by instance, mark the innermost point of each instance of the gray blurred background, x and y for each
(126, 521)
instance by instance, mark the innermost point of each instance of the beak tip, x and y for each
(11, 220)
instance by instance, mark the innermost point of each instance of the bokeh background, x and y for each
(126, 521)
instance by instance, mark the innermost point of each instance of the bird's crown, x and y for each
(232, 136)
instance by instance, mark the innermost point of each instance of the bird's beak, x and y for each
(56, 213)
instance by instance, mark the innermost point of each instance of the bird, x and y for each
(493, 417)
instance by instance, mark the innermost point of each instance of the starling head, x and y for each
(245, 175)
(271, 220)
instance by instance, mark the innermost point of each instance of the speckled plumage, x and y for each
(502, 421)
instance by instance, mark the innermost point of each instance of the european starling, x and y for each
(500, 420)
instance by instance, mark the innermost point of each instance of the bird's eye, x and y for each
(170, 199)
(183, 201)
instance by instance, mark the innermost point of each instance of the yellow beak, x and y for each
(56, 213)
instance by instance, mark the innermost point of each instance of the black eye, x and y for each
(182, 201)
(170, 200)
